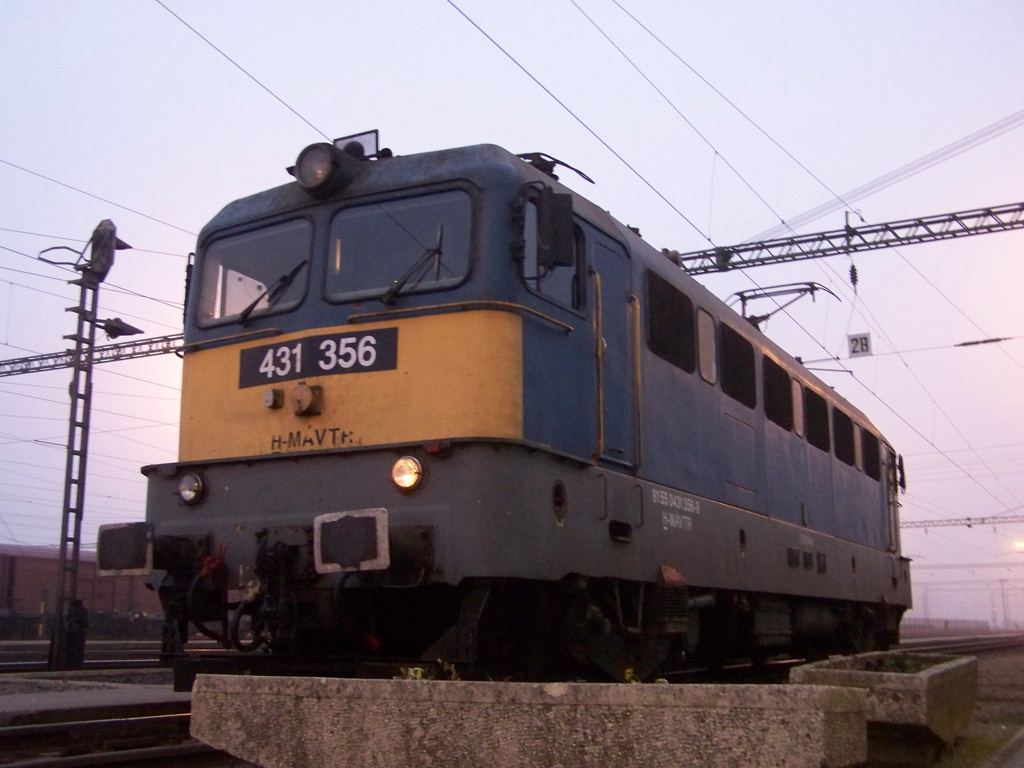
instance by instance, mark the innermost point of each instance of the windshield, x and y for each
(248, 274)
(374, 247)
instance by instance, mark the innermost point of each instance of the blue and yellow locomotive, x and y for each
(441, 407)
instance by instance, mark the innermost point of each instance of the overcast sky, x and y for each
(121, 100)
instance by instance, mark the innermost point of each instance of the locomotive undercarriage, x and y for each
(489, 628)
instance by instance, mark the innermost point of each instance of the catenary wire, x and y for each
(579, 120)
(242, 69)
(60, 296)
(94, 391)
(743, 114)
(878, 326)
(676, 109)
(83, 242)
(112, 287)
(97, 197)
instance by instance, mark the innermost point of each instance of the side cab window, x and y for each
(707, 344)
(739, 374)
(778, 393)
(670, 325)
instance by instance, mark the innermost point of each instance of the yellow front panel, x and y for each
(457, 375)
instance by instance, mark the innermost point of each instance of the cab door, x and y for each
(892, 498)
(614, 317)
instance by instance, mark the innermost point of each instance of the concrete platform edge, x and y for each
(299, 722)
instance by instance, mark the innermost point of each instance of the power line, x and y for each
(60, 296)
(749, 119)
(12, 439)
(97, 410)
(116, 288)
(97, 197)
(579, 120)
(242, 69)
(965, 566)
(57, 469)
(983, 448)
(939, 347)
(676, 109)
(95, 391)
(78, 240)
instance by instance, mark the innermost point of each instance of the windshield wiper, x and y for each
(274, 293)
(418, 268)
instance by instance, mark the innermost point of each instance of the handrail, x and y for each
(193, 346)
(638, 381)
(599, 356)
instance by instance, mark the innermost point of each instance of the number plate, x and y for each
(325, 355)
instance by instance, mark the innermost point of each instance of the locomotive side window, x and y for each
(798, 407)
(559, 283)
(739, 380)
(708, 349)
(399, 246)
(872, 455)
(842, 427)
(254, 273)
(670, 331)
(778, 397)
(816, 415)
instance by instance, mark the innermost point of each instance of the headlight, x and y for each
(191, 488)
(407, 473)
(322, 169)
(315, 166)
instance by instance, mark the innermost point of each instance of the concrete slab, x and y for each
(314, 722)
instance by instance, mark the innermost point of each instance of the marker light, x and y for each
(407, 473)
(191, 489)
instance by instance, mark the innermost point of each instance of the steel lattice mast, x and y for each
(67, 641)
(979, 221)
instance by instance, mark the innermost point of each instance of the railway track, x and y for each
(963, 645)
(159, 741)
(21, 656)
(48, 741)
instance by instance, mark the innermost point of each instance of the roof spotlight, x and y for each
(323, 168)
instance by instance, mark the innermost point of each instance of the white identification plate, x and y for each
(860, 344)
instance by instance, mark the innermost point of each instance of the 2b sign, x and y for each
(860, 344)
